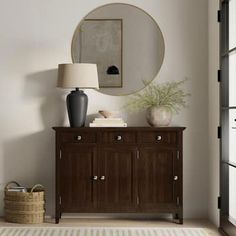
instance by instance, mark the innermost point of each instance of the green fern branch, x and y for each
(166, 94)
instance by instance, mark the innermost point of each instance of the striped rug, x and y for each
(85, 231)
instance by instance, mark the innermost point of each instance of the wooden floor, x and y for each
(109, 222)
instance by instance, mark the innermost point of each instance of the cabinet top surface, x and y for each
(169, 128)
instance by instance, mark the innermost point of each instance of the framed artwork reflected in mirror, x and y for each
(101, 43)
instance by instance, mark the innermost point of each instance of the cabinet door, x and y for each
(77, 187)
(157, 178)
(116, 188)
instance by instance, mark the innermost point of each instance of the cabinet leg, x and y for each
(57, 220)
(58, 216)
(178, 218)
(181, 220)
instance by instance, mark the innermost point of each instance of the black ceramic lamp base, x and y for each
(77, 104)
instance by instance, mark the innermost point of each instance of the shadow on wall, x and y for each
(31, 159)
(90, 118)
(135, 118)
(43, 85)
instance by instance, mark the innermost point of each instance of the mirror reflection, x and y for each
(126, 44)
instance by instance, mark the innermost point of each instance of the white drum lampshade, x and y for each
(78, 75)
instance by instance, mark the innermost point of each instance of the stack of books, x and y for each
(108, 122)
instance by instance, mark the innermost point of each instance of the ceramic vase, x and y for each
(158, 116)
(77, 103)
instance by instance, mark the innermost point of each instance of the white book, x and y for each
(17, 189)
(108, 119)
(107, 125)
(14, 190)
(111, 118)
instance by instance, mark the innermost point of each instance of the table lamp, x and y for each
(77, 76)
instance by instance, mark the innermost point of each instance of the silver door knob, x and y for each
(118, 137)
(175, 177)
(102, 177)
(79, 137)
(158, 138)
(95, 177)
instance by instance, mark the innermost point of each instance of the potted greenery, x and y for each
(160, 101)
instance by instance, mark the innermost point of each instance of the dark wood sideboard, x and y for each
(119, 170)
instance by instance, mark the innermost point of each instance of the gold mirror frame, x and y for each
(84, 18)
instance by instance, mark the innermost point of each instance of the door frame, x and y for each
(226, 227)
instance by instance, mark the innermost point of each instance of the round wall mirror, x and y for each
(126, 44)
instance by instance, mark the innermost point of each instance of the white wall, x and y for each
(213, 111)
(36, 35)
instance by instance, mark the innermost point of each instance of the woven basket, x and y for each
(24, 207)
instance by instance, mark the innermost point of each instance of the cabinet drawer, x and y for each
(118, 137)
(79, 137)
(158, 137)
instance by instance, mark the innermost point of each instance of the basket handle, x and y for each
(11, 182)
(36, 186)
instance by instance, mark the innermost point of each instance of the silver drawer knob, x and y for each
(95, 177)
(79, 137)
(102, 177)
(118, 137)
(158, 138)
(176, 178)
